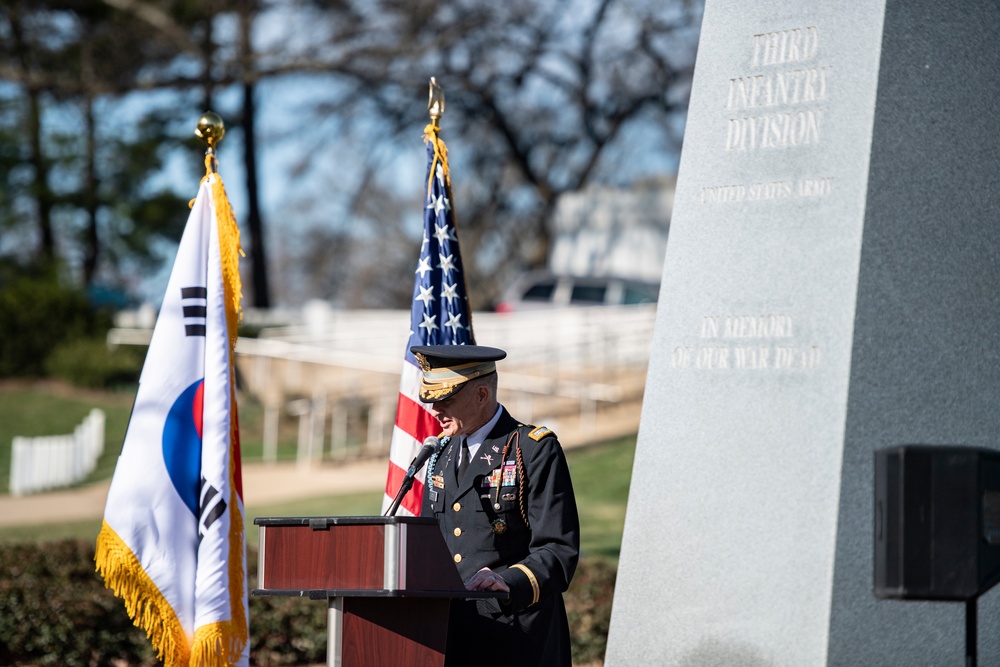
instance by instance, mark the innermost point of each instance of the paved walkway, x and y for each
(262, 484)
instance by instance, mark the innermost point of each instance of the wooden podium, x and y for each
(388, 582)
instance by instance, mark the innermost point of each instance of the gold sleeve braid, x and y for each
(535, 592)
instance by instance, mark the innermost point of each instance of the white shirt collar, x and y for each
(474, 439)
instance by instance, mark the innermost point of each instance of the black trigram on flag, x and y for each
(194, 301)
(212, 506)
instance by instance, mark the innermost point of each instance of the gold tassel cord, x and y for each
(440, 157)
(146, 606)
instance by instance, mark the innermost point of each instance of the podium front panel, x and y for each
(297, 557)
(355, 554)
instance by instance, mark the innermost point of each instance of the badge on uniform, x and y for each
(438, 481)
(509, 474)
(492, 480)
(499, 526)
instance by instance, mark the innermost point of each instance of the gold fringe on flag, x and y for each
(229, 247)
(146, 606)
(230, 250)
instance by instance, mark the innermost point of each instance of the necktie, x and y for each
(463, 460)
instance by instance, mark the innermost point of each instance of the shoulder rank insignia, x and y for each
(539, 432)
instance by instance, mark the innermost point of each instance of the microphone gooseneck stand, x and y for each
(431, 446)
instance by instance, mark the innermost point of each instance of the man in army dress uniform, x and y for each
(502, 494)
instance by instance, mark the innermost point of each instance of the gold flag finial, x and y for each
(435, 103)
(210, 129)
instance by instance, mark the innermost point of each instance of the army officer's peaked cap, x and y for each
(446, 368)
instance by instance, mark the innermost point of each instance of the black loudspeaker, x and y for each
(937, 522)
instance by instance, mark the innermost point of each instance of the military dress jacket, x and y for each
(483, 524)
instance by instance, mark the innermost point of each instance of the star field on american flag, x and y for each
(439, 315)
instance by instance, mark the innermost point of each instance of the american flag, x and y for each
(440, 315)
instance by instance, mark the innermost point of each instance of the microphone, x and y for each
(431, 446)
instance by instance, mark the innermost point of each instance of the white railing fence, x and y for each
(53, 461)
(349, 361)
(337, 371)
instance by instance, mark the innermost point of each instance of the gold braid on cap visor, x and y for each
(439, 383)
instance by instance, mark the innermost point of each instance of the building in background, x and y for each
(608, 250)
(611, 232)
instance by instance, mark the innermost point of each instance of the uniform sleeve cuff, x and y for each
(524, 586)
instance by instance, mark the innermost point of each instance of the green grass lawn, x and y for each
(601, 476)
(51, 408)
(601, 473)
(34, 409)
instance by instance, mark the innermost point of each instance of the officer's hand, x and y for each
(487, 580)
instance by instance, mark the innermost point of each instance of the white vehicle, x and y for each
(545, 290)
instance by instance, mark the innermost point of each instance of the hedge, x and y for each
(55, 610)
(41, 314)
(37, 316)
(88, 362)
